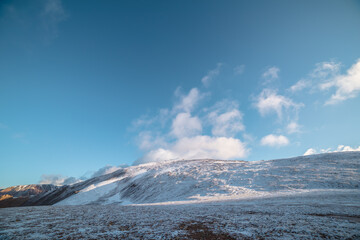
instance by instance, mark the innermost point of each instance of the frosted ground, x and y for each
(315, 215)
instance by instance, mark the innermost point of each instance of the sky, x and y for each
(87, 87)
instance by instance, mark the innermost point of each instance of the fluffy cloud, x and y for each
(293, 127)
(181, 136)
(347, 86)
(310, 151)
(326, 76)
(199, 147)
(270, 102)
(187, 102)
(271, 73)
(211, 75)
(323, 71)
(57, 179)
(226, 122)
(190, 145)
(343, 148)
(340, 148)
(274, 140)
(185, 126)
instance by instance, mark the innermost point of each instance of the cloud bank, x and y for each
(191, 133)
(58, 180)
(340, 148)
(198, 147)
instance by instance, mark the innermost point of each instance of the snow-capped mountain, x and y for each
(209, 180)
(184, 180)
(18, 195)
(27, 190)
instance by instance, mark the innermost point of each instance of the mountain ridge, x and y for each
(209, 179)
(182, 180)
(18, 195)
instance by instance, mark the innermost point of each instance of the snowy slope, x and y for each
(200, 180)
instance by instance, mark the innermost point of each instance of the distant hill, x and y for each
(18, 195)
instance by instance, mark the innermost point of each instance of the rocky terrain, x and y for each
(19, 195)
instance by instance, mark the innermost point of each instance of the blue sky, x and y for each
(86, 84)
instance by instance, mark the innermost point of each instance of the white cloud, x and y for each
(199, 147)
(310, 151)
(181, 137)
(271, 73)
(347, 86)
(340, 148)
(226, 122)
(326, 76)
(293, 127)
(325, 70)
(225, 119)
(57, 179)
(270, 102)
(187, 102)
(238, 70)
(185, 126)
(211, 75)
(300, 85)
(274, 140)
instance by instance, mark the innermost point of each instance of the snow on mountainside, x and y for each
(19, 195)
(184, 180)
(27, 190)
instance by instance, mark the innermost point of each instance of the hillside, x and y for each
(19, 195)
(208, 180)
(198, 181)
(308, 197)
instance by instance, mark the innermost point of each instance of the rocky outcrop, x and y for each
(18, 195)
